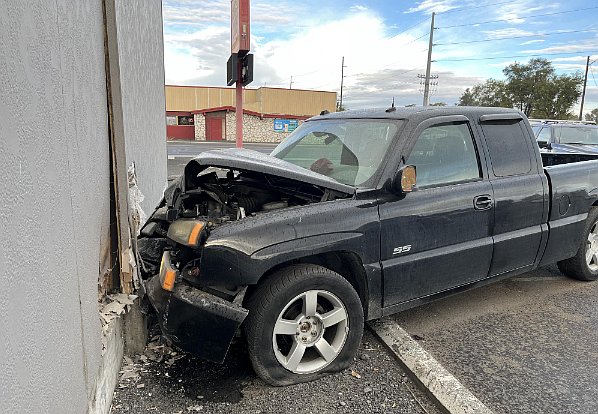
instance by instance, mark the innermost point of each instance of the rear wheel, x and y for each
(304, 321)
(584, 265)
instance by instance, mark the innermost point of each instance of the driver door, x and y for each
(439, 236)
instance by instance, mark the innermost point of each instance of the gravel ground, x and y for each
(165, 380)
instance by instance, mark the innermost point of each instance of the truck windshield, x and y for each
(346, 150)
(577, 135)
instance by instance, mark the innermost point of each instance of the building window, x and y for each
(171, 120)
(186, 120)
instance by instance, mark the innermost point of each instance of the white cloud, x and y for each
(358, 8)
(373, 74)
(514, 11)
(507, 32)
(567, 47)
(569, 66)
(437, 6)
(502, 64)
(202, 12)
(529, 42)
(196, 12)
(574, 59)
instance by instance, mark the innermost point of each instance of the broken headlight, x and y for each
(188, 232)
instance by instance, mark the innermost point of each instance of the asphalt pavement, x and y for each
(522, 345)
(181, 152)
(165, 380)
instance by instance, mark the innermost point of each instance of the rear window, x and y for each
(587, 135)
(508, 147)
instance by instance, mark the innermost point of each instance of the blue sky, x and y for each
(383, 52)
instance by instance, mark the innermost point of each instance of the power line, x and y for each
(305, 74)
(392, 76)
(417, 24)
(518, 18)
(518, 56)
(515, 37)
(391, 63)
(477, 7)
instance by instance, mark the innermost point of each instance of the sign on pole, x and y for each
(239, 28)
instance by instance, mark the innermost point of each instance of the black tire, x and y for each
(275, 294)
(577, 267)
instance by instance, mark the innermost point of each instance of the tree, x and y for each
(410, 105)
(556, 98)
(534, 88)
(491, 93)
(438, 104)
(467, 99)
(593, 115)
(527, 82)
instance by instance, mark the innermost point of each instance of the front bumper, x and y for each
(196, 321)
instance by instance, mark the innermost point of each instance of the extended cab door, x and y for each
(518, 189)
(439, 236)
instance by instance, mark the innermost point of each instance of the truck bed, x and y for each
(573, 189)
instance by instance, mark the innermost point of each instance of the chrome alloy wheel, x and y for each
(310, 331)
(592, 248)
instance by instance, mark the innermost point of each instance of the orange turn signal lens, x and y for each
(195, 234)
(169, 278)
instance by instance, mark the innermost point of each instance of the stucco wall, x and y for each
(54, 202)
(141, 60)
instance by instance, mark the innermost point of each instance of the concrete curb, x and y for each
(440, 384)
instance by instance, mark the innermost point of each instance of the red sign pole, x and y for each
(240, 104)
(240, 44)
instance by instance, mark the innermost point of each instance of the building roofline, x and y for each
(246, 111)
(247, 89)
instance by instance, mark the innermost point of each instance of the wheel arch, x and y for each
(348, 264)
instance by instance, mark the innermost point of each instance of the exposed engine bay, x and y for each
(216, 196)
(235, 195)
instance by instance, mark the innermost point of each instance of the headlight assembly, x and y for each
(188, 232)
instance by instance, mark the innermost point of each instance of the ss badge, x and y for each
(402, 249)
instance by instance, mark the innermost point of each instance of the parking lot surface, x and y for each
(171, 381)
(522, 345)
(181, 152)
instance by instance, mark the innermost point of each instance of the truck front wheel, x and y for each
(584, 265)
(304, 321)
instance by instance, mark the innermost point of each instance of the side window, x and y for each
(445, 154)
(508, 147)
(544, 135)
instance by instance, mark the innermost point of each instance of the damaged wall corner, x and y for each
(133, 47)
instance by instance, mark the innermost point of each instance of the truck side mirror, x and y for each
(405, 179)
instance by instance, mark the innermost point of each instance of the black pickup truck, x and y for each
(354, 216)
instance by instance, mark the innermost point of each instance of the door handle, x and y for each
(482, 202)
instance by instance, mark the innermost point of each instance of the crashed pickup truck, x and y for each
(354, 216)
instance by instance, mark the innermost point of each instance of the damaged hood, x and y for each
(248, 160)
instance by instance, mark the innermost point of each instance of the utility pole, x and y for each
(291, 84)
(583, 94)
(342, 79)
(427, 84)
